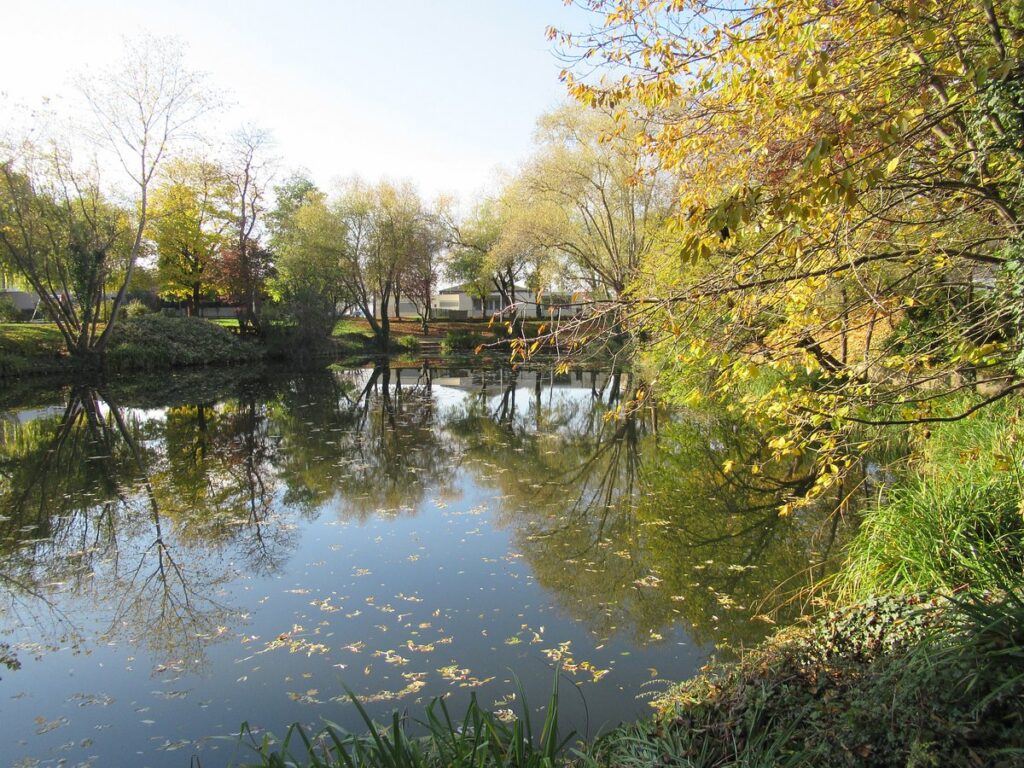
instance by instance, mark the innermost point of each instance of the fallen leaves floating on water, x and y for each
(45, 726)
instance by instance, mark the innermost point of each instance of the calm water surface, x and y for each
(182, 555)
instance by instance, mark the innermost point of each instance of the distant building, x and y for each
(25, 302)
(458, 303)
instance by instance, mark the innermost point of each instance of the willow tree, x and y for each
(850, 200)
(594, 198)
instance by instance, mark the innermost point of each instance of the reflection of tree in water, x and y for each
(366, 440)
(631, 525)
(634, 528)
(102, 503)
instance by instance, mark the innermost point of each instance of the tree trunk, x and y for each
(383, 331)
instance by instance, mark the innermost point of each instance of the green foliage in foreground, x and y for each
(892, 682)
(954, 519)
(158, 341)
(478, 739)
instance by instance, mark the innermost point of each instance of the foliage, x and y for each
(838, 166)
(189, 223)
(135, 309)
(358, 249)
(246, 265)
(952, 519)
(159, 341)
(8, 311)
(478, 739)
(407, 343)
(886, 683)
(592, 201)
(461, 341)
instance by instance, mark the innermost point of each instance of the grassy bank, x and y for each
(149, 342)
(920, 661)
(141, 343)
(27, 348)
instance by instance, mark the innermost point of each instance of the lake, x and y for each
(182, 554)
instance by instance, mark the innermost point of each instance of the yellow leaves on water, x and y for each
(562, 656)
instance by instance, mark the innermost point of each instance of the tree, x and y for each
(289, 197)
(485, 252)
(310, 259)
(593, 197)
(419, 276)
(248, 265)
(380, 224)
(849, 204)
(59, 229)
(189, 223)
(143, 107)
(65, 238)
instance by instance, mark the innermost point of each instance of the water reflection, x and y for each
(139, 518)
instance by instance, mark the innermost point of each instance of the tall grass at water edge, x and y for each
(477, 739)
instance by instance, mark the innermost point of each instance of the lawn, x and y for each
(31, 340)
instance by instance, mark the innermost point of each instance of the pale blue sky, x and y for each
(439, 91)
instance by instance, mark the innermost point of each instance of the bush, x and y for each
(8, 312)
(156, 341)
(407, 343)
(460, 341)
(890, 682)
(136, 308)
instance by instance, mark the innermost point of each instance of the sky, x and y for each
(442, 92)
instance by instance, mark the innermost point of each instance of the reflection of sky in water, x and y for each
(412, 548)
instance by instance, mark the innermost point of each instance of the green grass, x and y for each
(31, 339)
(477, 739)
(30, 347)
(953, 518)
(347, 326)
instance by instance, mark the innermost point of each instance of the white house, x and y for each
(457, 303)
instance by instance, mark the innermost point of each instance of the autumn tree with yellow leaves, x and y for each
(850, 197)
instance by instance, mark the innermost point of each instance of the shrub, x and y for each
(407, 343)
(136, 308)
(460, 341)
(890, 682)
(8, 312)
